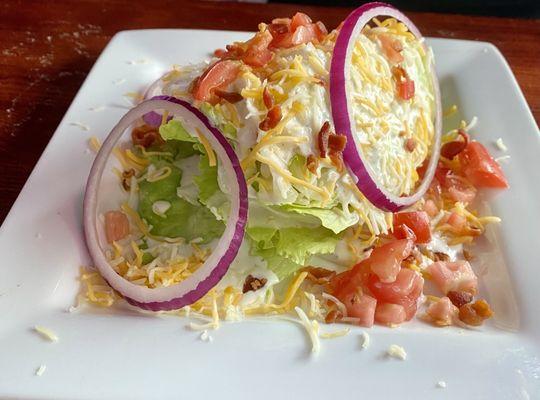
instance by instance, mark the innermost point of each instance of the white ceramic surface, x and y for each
(134, 356)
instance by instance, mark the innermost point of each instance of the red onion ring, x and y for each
(213, 269)
(365, 179)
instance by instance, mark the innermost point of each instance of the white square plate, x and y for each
(135, 356)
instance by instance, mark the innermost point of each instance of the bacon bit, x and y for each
(252, 284)
(459, 298)
(318, 276)
(438, 256)
(144, 136)
(230, 97)
(312, 163)
(322, 139)
(405, 86)
(220, 53)
(272, 119)
(337, 160)
(410, 145)
(451, 149)
(402, 134)
(467, 255)
(475, 314)
(126, 179)
(337, 142)
(116, 226)
(333, 316)
(392, 48)
(267, 98)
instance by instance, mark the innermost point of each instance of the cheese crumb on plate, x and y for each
(396, 351)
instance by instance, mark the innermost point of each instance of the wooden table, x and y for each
(48, 47)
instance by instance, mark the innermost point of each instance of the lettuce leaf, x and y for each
(288, 249)
(334, 219)
(174, 130)
(209, 192)
(206, 181)
(182, 219)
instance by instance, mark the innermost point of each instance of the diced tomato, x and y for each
(456, 276)
(406, 89)
(405, 291)
(431, 208)
(385, 261)
(390, 314)
(480, 168)
(217, 76)
(417, 221)
(299, 19)
(404, 84)
(257, 53)
(395, 291)
(404, 232)
(320, 30)
(288, 33)
(392, 48)
(116, 226)
(459, 189)
(442, 312)
(303, 34)
(361, 306)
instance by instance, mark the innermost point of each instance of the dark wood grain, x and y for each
(48, 47)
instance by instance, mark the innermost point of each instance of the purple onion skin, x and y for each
(203, 286)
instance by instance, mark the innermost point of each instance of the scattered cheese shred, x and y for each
(46, 333)
(81, 125)
(41, 370)
(335, 334)
(441, 384)
(397, 352)
(311, 329)
(366, 340)
(500, 145)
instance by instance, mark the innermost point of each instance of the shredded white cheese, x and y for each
(502, 158)
(119, 81)
(366, 340)
(441, 384)
(397, 352)
(97, 109)
(311, 329)
(205, 337)
(41, 369)
(81, 125)
(500, 145)
(160, 207)
(142, 61)
(46, 333)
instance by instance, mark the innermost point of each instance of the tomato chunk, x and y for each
(393, 292)
(480, 168)
(217, 76)
(442, 312)
(417, 221)
(385, 261)
(392, 48)
(361, 306)
(453, 276)
(390, 314)
(116, 226)
(257, 53)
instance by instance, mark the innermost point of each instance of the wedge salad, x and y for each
(303, 173)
